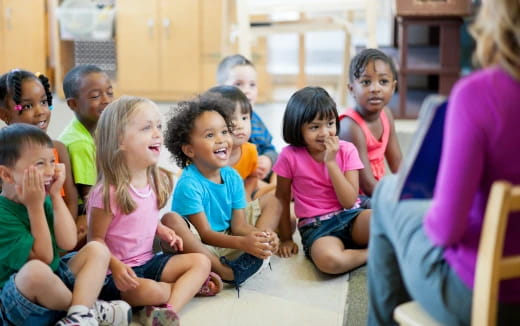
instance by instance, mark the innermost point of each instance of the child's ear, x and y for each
(5, 174)
(187, 149)
(350, 88)
(4, 115)
(394, 85)
(72, 103)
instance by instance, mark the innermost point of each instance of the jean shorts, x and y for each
(18, 310)
(339, 226)
(152, 270)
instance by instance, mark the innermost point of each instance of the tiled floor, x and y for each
(292, 293)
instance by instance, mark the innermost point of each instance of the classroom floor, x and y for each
(292, 292)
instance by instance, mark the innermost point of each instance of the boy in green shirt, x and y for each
(37, 287)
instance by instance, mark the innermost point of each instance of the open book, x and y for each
(418, 171)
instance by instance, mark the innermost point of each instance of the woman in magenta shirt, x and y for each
(426, 250)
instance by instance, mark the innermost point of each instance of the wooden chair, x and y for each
(491, 267)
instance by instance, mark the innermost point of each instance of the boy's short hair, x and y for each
(72, 80)
(229, 63)
(362, 59)
(235, 95)
(15, 137)
(182, 121)
(303, 107)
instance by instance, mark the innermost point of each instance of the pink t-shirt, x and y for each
(311, 186)
(130, 237)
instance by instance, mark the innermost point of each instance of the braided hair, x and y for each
(11, 85)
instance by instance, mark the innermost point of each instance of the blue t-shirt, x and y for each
(194, 193)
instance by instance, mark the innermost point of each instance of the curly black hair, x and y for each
(11, 85)
(182, 121)
(362, 59)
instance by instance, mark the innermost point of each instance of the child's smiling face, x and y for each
(34, 106)
(95, 93)
(210, 142)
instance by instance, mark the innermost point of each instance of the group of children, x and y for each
(99, 190)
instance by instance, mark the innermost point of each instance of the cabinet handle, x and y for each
(150, 24)
(8, 12)
(166, 27)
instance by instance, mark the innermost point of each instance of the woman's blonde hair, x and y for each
(497, 33)
(110, 161)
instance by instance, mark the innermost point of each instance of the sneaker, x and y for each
(245, 267)
(78, 319)
(162, 315)
(117, 313)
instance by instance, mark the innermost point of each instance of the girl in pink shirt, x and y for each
(321, 172)
(123, 211)
(370, 125)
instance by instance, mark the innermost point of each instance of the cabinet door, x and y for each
(180, 46)
(137, 46)
(23, 38)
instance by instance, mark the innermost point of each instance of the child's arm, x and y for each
(345, 185)
(32, 195)
(393, 150)
(283, 193)
(253, 242)
(250, 185)
(351, 132)
(124, 276)
(71, 192)
(64, 225)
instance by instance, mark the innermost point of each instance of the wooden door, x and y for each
(137, 28)
(23, 41)
(180, 47)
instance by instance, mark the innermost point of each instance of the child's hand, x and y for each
(124, 277)
(263, 167)
(32, 190)
(57, 180)
(287, 249)
(169, 236)
(257, 244)
(273, 239)
(331, 148)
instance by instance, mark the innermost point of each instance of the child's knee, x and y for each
(98, 250)
(201, 261)
(173, 220)
(33, 274)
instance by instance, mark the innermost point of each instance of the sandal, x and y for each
(206, 290)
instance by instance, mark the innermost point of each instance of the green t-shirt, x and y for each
(16, 240)
(82, 152)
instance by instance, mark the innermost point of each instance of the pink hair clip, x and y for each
(18, 107)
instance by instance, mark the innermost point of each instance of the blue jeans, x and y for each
(403, 264)
(18, 310)
(339, 226)
(152, 269)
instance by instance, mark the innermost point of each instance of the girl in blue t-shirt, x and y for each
(210, 194)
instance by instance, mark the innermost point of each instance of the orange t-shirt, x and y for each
(248, 161)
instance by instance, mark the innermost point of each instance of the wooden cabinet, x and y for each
(158, 47)
(23, 35)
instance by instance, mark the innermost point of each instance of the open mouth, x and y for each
(155, 148)
(42, 124)
(221, 153)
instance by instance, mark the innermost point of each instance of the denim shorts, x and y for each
(152, 269)
(339, 226)
(18, 310)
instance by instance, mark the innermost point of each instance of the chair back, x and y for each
(492, 266)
